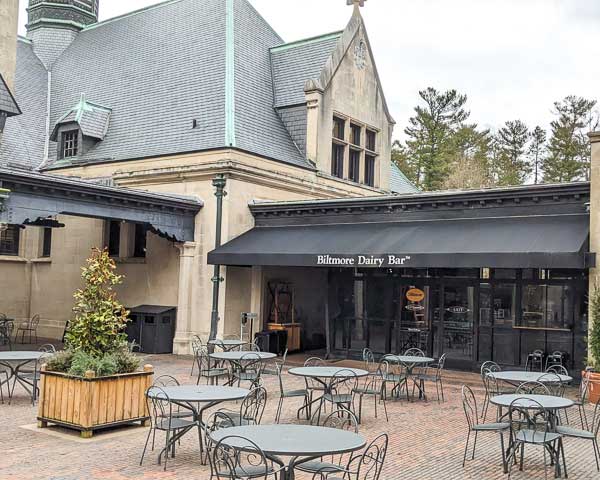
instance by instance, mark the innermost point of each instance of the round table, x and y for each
(306, 441)
(187, 396)
(238, 355)
(516, 377)
(227, 345)
(409, 362)
(532, 401)
(322, 375)
(14, 361)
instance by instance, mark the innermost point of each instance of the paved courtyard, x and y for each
(426, 441)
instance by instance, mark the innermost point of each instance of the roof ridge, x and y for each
(24, 39)
(164, 3)
(259, 15)
(307, 41)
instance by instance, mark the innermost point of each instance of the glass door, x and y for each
(412, 323)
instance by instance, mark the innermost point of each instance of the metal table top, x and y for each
(326, 372)
(408, 358)
(549, 402)
(202, 393)
(293, 440)
(227, 343)
(520, 377)
(20, 355)
(237, 355)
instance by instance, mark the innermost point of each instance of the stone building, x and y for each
(162, 100)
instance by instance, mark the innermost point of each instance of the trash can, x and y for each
(267, 341)
(282, 338)
(152, 327)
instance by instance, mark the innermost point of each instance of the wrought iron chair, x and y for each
(535, 360)
(434, 377)
(33, 376)
(250, 412)
(271, 366)
(524, 416)
(555, 358)
(7, 328)
(394, 373)
(414, 352)
(253, 347)
(558, 369)
(552, 383)
(492, 388)
(367, 466)
(368, 360)
(340, 392)
(197, 344)
(470, 408)
(162, 419)
(170, 381)
(581, 401)
(283, 394)
(590, 433)
(313, 385)
(532, 388)
(341, 420)
(207, 369)
(245, 460)
(249, 370)
(372, 385)
(30, 328)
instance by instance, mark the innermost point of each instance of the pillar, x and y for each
(183, 330)
(594, 274)
(9, 13)
(257, 296)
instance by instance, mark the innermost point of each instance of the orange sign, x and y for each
(415, 295)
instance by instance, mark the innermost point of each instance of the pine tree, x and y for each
(430, 135)
(513, 167)
(404, 161)
(569, 152)
(536, 151)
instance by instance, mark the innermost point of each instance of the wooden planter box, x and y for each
(92, 403)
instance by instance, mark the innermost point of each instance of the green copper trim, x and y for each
(230, 75)
(131, 14)
(307, 41)
(42, 21)
(70, 6)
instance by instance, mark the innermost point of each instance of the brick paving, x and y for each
(426, 441)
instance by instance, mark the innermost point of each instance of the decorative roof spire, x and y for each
(356, 3)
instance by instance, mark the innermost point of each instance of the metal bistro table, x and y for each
(227, 345)
(410, 362)
(517, 377)
(550, 403)
(236, 357)
(14, 361)
(191, 396)
(323, 375)
(300, 442)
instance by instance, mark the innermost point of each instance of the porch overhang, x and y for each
(32, 197)
(554, 241)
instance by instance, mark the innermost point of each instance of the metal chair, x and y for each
(590, 433)
(414, 352)
(253, 347)
(368, 359)
(535, 360)
(470, 408)
(197, 344)
(271, 366)
(313, 385)
(553, 383)
(6, 332)
(490, 384)
(526, 429)
(244, 461)
(250, 412)
(580, 402)
(163, 381)
(162, 419)
(532, 388)
(29, 327)
(32, 377)
(283, 394)
(558, 369)
(372, 385)
(367, 466)
(435, 377)
(340, 392)
(394, 373)
(250, 370)
(208, 370)
(555, 358)
(331, 464)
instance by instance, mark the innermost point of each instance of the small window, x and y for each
(69, 143)
(371, 140)
(139, 243)
(338, 128)
(337, 160)
(9, 240)
(355, 134)
(370, 170)
(114, 238)
(46, 242)
(354, 167)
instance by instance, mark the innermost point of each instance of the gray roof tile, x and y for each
(93, 119)
(8, 105)
(399, 183)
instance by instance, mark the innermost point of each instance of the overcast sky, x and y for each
(513, 58)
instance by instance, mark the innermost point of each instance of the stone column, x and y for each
(9, 12)
(183, 331)
(594, 274)
(257, 296)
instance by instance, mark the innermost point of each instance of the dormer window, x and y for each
(69, 143)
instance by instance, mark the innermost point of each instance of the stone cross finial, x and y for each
(357, 3)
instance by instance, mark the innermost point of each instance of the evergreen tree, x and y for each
(536, 151)
(404, 161)
(513, 167)
(430, 135)
(569, 153)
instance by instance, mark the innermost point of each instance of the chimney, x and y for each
(9, 20)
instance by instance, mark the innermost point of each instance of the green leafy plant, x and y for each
(60, 361)
(594, 329)
(82, 362)
(99, 323)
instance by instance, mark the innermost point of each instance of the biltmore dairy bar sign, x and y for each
(376, 261)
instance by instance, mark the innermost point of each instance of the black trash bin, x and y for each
(152, 327)
(282, 338)
(267, 341)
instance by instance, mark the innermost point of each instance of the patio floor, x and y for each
(426, 440)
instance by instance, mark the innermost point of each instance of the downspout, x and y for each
(219, 183)
(47, 137)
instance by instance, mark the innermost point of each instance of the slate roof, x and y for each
(93, 119)
(8, 104)
(398, 181)
(296, 62)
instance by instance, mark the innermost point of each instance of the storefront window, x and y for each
(504, 303)
(547, 306)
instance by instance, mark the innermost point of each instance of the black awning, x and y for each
(558, 241)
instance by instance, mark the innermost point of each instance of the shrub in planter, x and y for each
(594, 345)
(94, 383)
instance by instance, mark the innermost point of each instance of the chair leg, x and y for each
(166, 449)
(564, 461)
(146, 445)
(466, 448)
(504, 466)
(522, 456)
(474, 445)
(278, 413)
